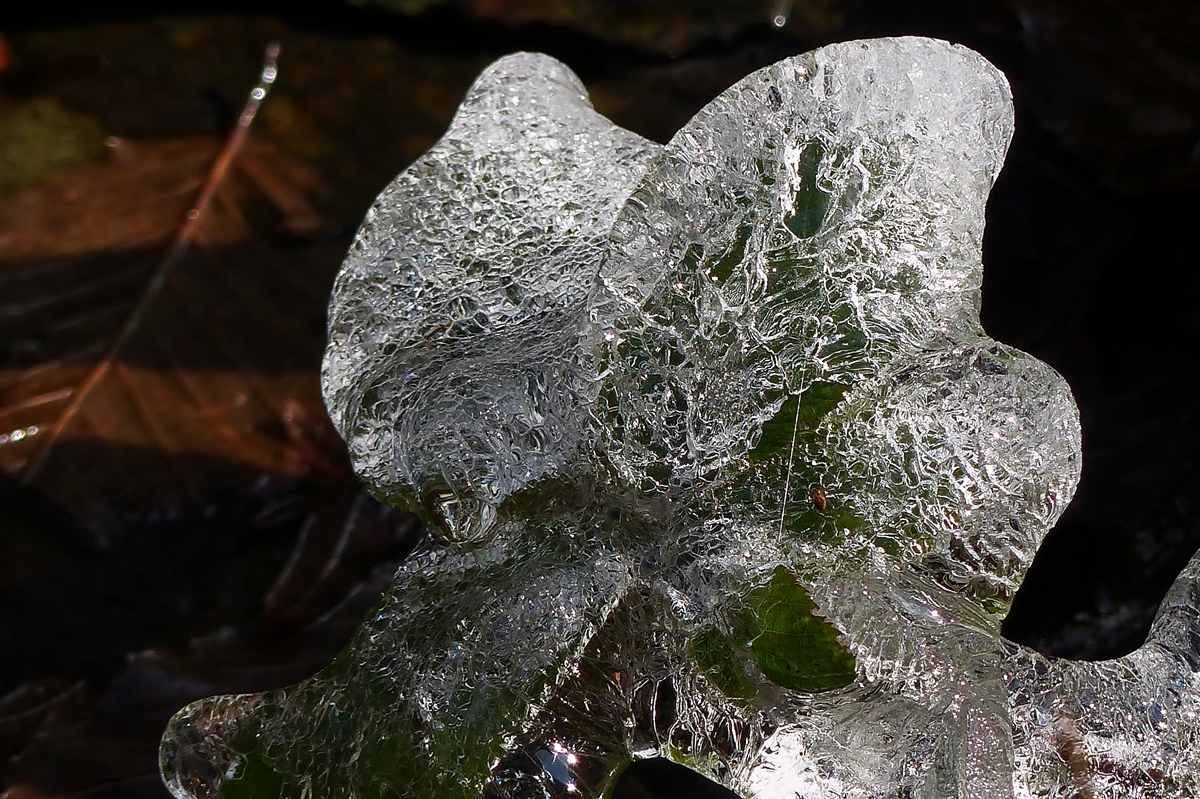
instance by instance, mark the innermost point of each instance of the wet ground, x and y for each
(194, 528)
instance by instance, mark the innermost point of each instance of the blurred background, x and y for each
(178, 518)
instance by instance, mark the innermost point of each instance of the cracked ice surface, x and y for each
(721, 464)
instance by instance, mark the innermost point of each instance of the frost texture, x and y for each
(449, 368)
(722, 465)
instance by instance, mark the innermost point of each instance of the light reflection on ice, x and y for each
(696, 427)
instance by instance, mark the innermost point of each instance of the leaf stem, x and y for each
(183, 240)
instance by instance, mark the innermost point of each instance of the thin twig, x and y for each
(787, 483)
(179, 246)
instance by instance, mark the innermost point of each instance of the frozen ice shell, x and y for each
(753, 495)
(452, 320)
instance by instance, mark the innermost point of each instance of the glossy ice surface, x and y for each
(720, 463)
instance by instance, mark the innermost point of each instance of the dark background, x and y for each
(142, 566)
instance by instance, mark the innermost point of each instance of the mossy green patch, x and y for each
(40, 136)
(793, 646)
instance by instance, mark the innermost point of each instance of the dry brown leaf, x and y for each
(160, 385)
(139, 196)
(234, 334)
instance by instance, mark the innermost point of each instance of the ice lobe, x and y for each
(454, 315)
(753, 494)
(813, 223)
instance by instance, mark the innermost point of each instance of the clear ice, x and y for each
(719, 466)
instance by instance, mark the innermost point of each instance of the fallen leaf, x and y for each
(180, 472)
(218, 353)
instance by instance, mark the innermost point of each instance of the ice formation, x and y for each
(720, 465)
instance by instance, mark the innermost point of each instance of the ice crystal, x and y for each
(720, 463)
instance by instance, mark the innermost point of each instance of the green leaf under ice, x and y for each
(717, 660)
(793, 646)
(719, 463)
